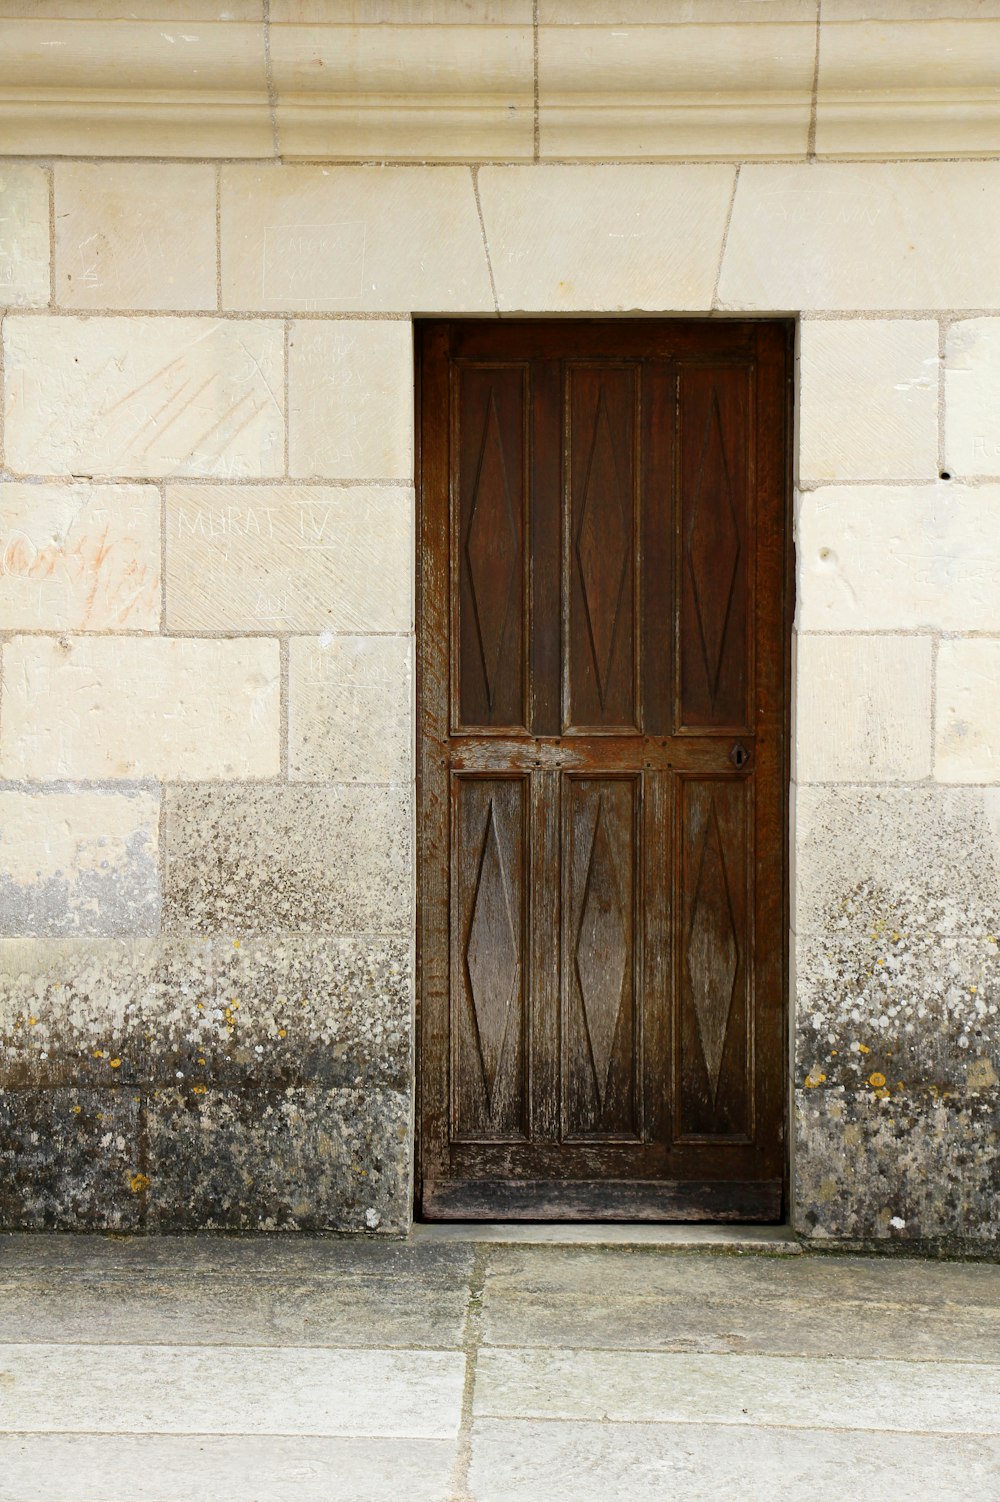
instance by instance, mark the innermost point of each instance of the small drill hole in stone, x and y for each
(945, 475)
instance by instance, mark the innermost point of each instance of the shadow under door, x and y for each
(603, 633)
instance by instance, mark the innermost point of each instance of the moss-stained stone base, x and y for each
(332, 1011)
(262, 858)
(70, 1160)
(291, 1160)
(921, 1166)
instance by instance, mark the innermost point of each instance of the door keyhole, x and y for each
(739, 756)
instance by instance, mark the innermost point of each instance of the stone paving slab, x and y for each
(662, 1387)
(103, 1389)
(834, 1306)
(209, 1468)
(521, 1461)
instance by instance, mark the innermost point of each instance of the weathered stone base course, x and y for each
(920, 1166)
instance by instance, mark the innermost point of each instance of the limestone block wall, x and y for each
(206, 606)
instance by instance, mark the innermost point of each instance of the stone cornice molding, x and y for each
(203, 79)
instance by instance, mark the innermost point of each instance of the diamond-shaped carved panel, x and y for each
(603, 541)
(601, 952)
(491, 549)
(712, 950)
(492, 956)
(713, 546)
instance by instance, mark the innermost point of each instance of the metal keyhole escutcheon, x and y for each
(739, 756)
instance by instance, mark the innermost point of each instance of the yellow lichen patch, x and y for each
(199, 1089)
(100, 1053)
(200, 1061)
(77, 1110)
(876, 1080)
(814, 1079)
(282, 1032)
(973, 989)
(863, 1048)
(138, 1182)
(32, 1021)
(236, 943)
(115, 1064)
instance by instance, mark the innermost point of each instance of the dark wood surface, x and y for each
(603, 624)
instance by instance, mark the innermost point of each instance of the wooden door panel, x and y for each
(714, 951)
(601, 945)
(489, 548)
(600, 549)
(603, 613)
(714, 556)
(490, 958)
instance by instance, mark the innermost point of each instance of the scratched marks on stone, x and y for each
(306, 558)
(164, 396)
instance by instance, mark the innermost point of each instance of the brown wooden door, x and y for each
(603, 679)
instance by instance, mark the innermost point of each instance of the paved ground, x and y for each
(350, 1371)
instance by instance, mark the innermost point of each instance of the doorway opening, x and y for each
(604, 607)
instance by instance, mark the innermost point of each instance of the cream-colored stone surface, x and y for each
(349, 709)
(289, 558)
(911, 10)
(137, 10)
(404, 91)
(79, 557)
(132, 235)
(606, 239)
(668, 12)
(922, 75)
(79, 863)
(24, 236)
(863, 709)
(898, 558)
(352, 239)
(134, 84)
(967, 730)
(853, 236)
(144, 397)
(350, 399)
(868, 399)
(972, 397)
(613, 90)
(406, 12)
(109, 707)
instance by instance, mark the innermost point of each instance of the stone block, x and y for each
(369, 91)
(352, 240)
(863, 709)
(972, 397)
(70, 1160)
(132, 235)
(289, 1012)
(287, 1160)
(301, 558)
(967, 729)
(277, 859)
(133, 83)
(79, 863)
(409, 12)
(674, 12)
(674, 89)
(605, 239)
(350, 400)
(24, 236)
(79, 557)
(888, 558)
(349, 709)
(868, 405)
(276, 1012)
(134, 707)
(917, 1166)
(923, 861)
(847, 236)
(891, 1009)
(140, 398)
(917, 72)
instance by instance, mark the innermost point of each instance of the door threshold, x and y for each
(695, 1237)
